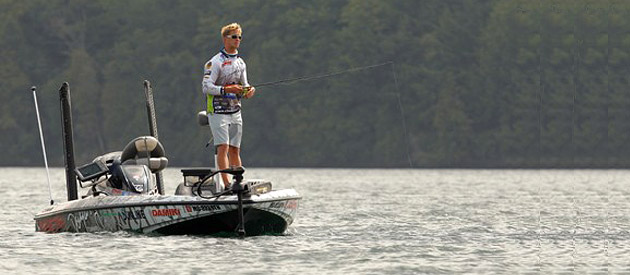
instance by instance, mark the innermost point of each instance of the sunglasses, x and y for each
(234, 36)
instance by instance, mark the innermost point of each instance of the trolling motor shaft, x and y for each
(237, 188)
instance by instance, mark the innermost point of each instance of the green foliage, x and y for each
(515, 83)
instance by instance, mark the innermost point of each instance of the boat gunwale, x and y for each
(160, 203)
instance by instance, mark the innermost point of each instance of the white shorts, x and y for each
(226, 128)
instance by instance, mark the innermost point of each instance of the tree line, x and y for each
(470, 83)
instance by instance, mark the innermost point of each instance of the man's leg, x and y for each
(234, 154)
(219, 124)
(236, 133)
(222, 161)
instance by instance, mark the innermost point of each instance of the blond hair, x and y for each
(229, 28)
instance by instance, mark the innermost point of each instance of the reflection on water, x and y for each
(359, 221)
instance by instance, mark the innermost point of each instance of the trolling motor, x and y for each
(237, 187)
(198, 180)
(237, 172)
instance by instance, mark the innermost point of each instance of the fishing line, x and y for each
(402, 116)
(305, 78)
(330, 74)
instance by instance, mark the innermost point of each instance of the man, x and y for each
(224, 84)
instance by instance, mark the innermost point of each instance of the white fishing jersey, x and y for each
(223, 69)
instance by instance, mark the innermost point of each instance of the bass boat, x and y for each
(125, 193)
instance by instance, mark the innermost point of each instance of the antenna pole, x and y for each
(41, 137)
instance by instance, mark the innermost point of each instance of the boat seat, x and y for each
(145, 150)
(108, 158)
(202, 118)
(154, 164)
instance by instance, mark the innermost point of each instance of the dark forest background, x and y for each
(479, 83)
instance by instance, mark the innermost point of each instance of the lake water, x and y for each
(358, 221)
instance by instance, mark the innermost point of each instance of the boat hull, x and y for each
(269, 213)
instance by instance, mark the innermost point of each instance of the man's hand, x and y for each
(249, 91)
(233, 89)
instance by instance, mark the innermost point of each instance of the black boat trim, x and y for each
(222, 223)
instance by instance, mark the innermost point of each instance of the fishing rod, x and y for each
(41, 137)
(354, 69)
(329, 74)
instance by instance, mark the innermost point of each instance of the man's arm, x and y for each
(248, 90)
(210, 75)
